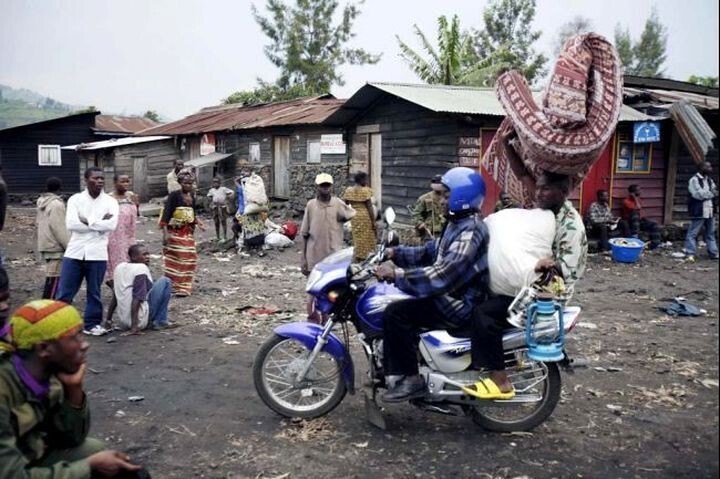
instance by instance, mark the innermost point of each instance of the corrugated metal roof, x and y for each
(115, 142)
(443, 99)
(693, 129)
(122, 124)
(668, 97)
(201, 161)
(303, 111)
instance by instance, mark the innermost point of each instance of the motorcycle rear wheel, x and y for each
(276, 363)
(489, 416)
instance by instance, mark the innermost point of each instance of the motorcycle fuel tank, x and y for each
(372, 303)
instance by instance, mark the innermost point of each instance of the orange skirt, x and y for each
(180, 260)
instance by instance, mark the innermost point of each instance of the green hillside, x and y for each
(22, 106)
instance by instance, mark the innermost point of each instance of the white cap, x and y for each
(323, 178)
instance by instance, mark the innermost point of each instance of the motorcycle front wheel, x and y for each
(277, 363)
(537, 385)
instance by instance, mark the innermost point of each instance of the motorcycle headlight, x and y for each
(313, 278)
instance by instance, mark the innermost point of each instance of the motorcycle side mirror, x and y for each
(390, 215)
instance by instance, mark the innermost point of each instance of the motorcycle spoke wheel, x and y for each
(278, 363)
(537, 387)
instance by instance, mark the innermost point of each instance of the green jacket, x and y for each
(30, 428)
(430, 211)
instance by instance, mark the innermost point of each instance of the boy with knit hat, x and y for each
(44, 415)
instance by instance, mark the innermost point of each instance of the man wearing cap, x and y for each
(322, 229)
(429, 213)
(44, 414)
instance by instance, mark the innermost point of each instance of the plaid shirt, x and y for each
(600, 214)
(453, 270)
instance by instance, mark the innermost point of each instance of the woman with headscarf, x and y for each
(364, 230)
(178, 224)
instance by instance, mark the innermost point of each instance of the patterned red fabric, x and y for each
(568, 131)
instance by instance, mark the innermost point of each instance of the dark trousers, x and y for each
(603, 233)
(51, 287)
(402, 323)
(489, 323)
(638, 224)
(72, 273)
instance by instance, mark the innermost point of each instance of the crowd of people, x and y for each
(93, 239)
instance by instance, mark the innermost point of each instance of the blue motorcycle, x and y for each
(305, 370)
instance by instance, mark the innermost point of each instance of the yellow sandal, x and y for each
(487, 389)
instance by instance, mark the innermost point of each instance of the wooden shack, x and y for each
(285, 142)
(147, 160)
(30, 154)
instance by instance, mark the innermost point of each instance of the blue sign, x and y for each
(646, 132)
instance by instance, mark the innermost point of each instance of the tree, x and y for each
(704, 80)
(152, 115)
(267, 93)
(576, 26)
(89, 109)
(623, 45)
(307, 46)
(445, 65)
(506, 42)
(646, 56)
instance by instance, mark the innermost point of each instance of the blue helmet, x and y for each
(467, 189)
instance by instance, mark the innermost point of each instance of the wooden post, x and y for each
(671, 169)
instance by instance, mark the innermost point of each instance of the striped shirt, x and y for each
(453, 270)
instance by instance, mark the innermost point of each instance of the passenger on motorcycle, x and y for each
(448, 277)
(490, 319)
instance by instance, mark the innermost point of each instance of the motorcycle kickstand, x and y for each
(373, 412)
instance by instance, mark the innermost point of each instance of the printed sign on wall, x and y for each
(469, 151)
(332, 145)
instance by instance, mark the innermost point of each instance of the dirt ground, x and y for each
(647, 405)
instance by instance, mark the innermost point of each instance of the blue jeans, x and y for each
(72, 273)
(158, 299)
(691, 237)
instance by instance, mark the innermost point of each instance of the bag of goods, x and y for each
(278, 240)
(290, 229)
(254, 191)
(519, 238)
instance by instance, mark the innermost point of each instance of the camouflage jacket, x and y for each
(430, 211)
(30, 428)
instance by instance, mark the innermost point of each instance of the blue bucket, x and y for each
(626, 250)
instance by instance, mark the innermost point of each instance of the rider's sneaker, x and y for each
(405, 389)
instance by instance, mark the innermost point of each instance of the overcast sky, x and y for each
(176, 56)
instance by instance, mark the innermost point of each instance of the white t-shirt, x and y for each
(132, 280)
(219, 195)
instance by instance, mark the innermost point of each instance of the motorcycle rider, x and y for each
(447, 276)
(490, 319)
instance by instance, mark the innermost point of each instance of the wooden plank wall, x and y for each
(416, 144)
(161, 156)
(19, 154)
(652, 184)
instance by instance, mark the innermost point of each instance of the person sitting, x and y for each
(447, 277)
(44, 412)
(140, 302)
(569, 255)
(601, 221)
(505, 202)
(632, 213)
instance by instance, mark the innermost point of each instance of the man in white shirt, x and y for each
(702, 191)
(139, 300)
(91, 217)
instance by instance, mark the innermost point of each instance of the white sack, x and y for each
(518, 239)
(254, 191)
(278, 240)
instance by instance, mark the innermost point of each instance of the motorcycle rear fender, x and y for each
(307, 334)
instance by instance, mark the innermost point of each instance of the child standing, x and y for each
(219, 196)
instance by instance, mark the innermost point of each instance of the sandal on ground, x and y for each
(487, 389)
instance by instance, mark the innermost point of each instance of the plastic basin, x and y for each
(626, 250)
